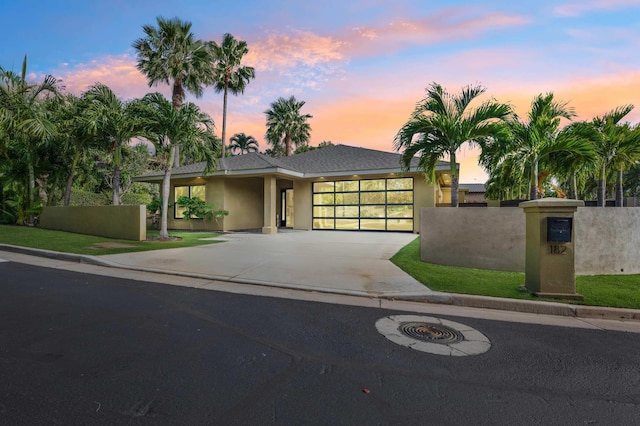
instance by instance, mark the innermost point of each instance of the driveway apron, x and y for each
(347, 261)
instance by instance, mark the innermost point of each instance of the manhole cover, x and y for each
(433, 335)
(436, 333)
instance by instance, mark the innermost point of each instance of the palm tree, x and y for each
(113, 123)
(73, 140)
(286, 124)
(531, 147)
(441, 123)
(165, 127)
(170, 54)
(243, 143)
(26, 122)
(616, 146)
(229, 75)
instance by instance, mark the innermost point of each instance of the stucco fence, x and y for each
(607, 240)
(121, 222)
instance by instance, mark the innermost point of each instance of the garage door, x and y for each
(366, 205)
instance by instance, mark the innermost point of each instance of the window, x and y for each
(195, 191)
(370, 204)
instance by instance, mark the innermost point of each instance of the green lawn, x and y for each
(620, 291)
(68, 242)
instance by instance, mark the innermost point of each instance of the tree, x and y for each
(72, 137)
(228, 73)
(165, 127)
(114, 123)
(441, 123)
(243, 143)
(27, 128)
(306, 147)
(531, 147)
(286, 125)
(170, 54)
(617, 146)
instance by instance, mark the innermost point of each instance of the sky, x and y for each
(360, 66)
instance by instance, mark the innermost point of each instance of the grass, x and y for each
(86, 244)
(619, 291)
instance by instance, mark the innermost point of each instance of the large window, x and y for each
(372, 204)
(194, 191)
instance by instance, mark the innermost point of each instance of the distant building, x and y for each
(473, 192)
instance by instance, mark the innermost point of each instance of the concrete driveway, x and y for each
(352, 262)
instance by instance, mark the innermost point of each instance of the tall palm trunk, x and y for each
(454, 179)
(166, 187)
(619, 189)
(31, 184)
(115, 196)
(176, 99)
(602, 187)
(534, 180)
(69, 186)
(166, 179)
(287, 144)
(224, 117)
(574, 186)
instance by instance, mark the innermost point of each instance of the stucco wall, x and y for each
(122, 222)
(424, 195)
(485, 238)
(606, 239)
(302, 210)
(243, 198)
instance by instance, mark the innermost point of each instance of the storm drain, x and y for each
(433, 335)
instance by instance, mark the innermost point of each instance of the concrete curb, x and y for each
(464, 300)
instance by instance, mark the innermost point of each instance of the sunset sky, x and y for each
(359, 65)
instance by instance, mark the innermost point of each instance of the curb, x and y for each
(463, 300)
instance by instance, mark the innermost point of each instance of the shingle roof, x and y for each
(473, 187)
(331, 159)
(343, 158)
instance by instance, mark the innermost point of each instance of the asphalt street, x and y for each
(86, 349)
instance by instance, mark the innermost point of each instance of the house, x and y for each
(474, 192)
(339, 187)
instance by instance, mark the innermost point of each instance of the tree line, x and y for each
(49, 139)
(525, 158)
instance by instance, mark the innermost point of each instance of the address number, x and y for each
(557, 249)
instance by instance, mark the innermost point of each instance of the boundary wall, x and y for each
(607, 240)
(127, 222)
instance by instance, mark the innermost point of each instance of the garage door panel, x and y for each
(370, 204)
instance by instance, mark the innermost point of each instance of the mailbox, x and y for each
(559, 229)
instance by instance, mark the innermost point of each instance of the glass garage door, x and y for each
(366, 205)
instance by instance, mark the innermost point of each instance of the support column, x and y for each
(270, 199)
(550, 247)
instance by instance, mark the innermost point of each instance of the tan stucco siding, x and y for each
(172, 222)
(424, 195)
(244, 199)
(303, 204)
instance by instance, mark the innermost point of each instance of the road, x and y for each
(78, 348)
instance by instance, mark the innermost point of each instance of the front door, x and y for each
(286, 218)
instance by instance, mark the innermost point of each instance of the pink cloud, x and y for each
(580, 8)
(450, 24)
(281, 51)
(117, 72)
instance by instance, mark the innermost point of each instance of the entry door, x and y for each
(287, 208)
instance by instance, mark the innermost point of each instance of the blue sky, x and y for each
(360, 66)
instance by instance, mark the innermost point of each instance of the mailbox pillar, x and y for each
(550, 243)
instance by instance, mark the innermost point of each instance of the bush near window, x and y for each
(196, 208)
